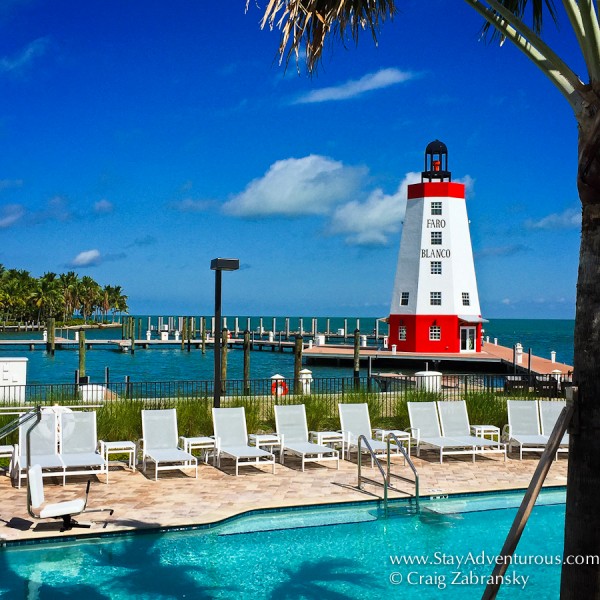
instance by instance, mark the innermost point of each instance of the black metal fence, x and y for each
(119, 404)
(438, 387)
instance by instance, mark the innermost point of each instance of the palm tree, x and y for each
(89, 294)
(119, 301)
(46, 295)
(17, 285)
(69, 283)
(307, 23)
(107, 292)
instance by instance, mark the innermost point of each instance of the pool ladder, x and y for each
(387, 474)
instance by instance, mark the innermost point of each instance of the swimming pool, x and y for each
(330, 553)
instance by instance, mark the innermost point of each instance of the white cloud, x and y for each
(469, 183)
(22, 60)
(507, 250)
(370, 223)
(356, 87)
(87, 258)
(6, 184)
(57, 209)
(296, 187)
(10, 214)
(190, 205)
(103, 207)
(570, 218)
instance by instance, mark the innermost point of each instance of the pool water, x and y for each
(333, 553)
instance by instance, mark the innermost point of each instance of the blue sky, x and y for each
(141, 139)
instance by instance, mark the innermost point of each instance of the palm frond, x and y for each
(307, 23)
(519, 7)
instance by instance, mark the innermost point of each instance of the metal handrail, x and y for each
(16, 423)
(539, 476)
(392, 435)
(361, 478)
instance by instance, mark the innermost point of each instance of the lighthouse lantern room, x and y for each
(435, 304)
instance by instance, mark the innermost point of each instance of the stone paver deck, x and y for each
(178, 499)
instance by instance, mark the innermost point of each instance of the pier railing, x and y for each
(120, 403)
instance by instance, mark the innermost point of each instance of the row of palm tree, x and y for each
(27, 298)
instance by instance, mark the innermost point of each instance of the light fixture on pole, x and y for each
(218, 265)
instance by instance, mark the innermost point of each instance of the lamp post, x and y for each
(218, 265)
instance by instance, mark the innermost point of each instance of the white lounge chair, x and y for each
(523, 427)
(38, 509)
(8, 451)
(159, 442)
(290, 422)
(231, 439)
(549, 413)
(454, 421)
(79, 445)
(425, 429)
(355, 421)
(44, 447)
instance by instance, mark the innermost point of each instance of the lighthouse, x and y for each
(435, 304)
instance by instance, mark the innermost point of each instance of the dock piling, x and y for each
(297, 364)
(357, 359)
(246, 362)
(51, 342)
(82, 349)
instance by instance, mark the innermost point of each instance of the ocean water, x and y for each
(173, 364)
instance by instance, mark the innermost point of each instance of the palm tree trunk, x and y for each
(582, 522)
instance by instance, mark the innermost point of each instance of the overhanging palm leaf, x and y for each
(308, 22)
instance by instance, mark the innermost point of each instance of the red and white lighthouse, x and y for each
(435, 304)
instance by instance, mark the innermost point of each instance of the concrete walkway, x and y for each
(178, 499)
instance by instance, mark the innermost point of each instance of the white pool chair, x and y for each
(66, 510)
(523, 427)
(8, 451)
(291, 425)
(425, 430)
(160, 442)
(549, 413)
(355, 421)
(454, 421)
(44, 447)
(79, 445)
(231, 439)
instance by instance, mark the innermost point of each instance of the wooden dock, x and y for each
(493, 358)
(125, 345)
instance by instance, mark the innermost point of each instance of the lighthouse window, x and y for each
(436, 208)
(435, 333)
(435, 298)
(436, 267)
(404, 299)
(402, 333)
(436, 238)
(465, 298)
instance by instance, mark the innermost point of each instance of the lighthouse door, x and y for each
(467, 339)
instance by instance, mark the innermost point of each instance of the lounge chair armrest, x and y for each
(415, 433)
